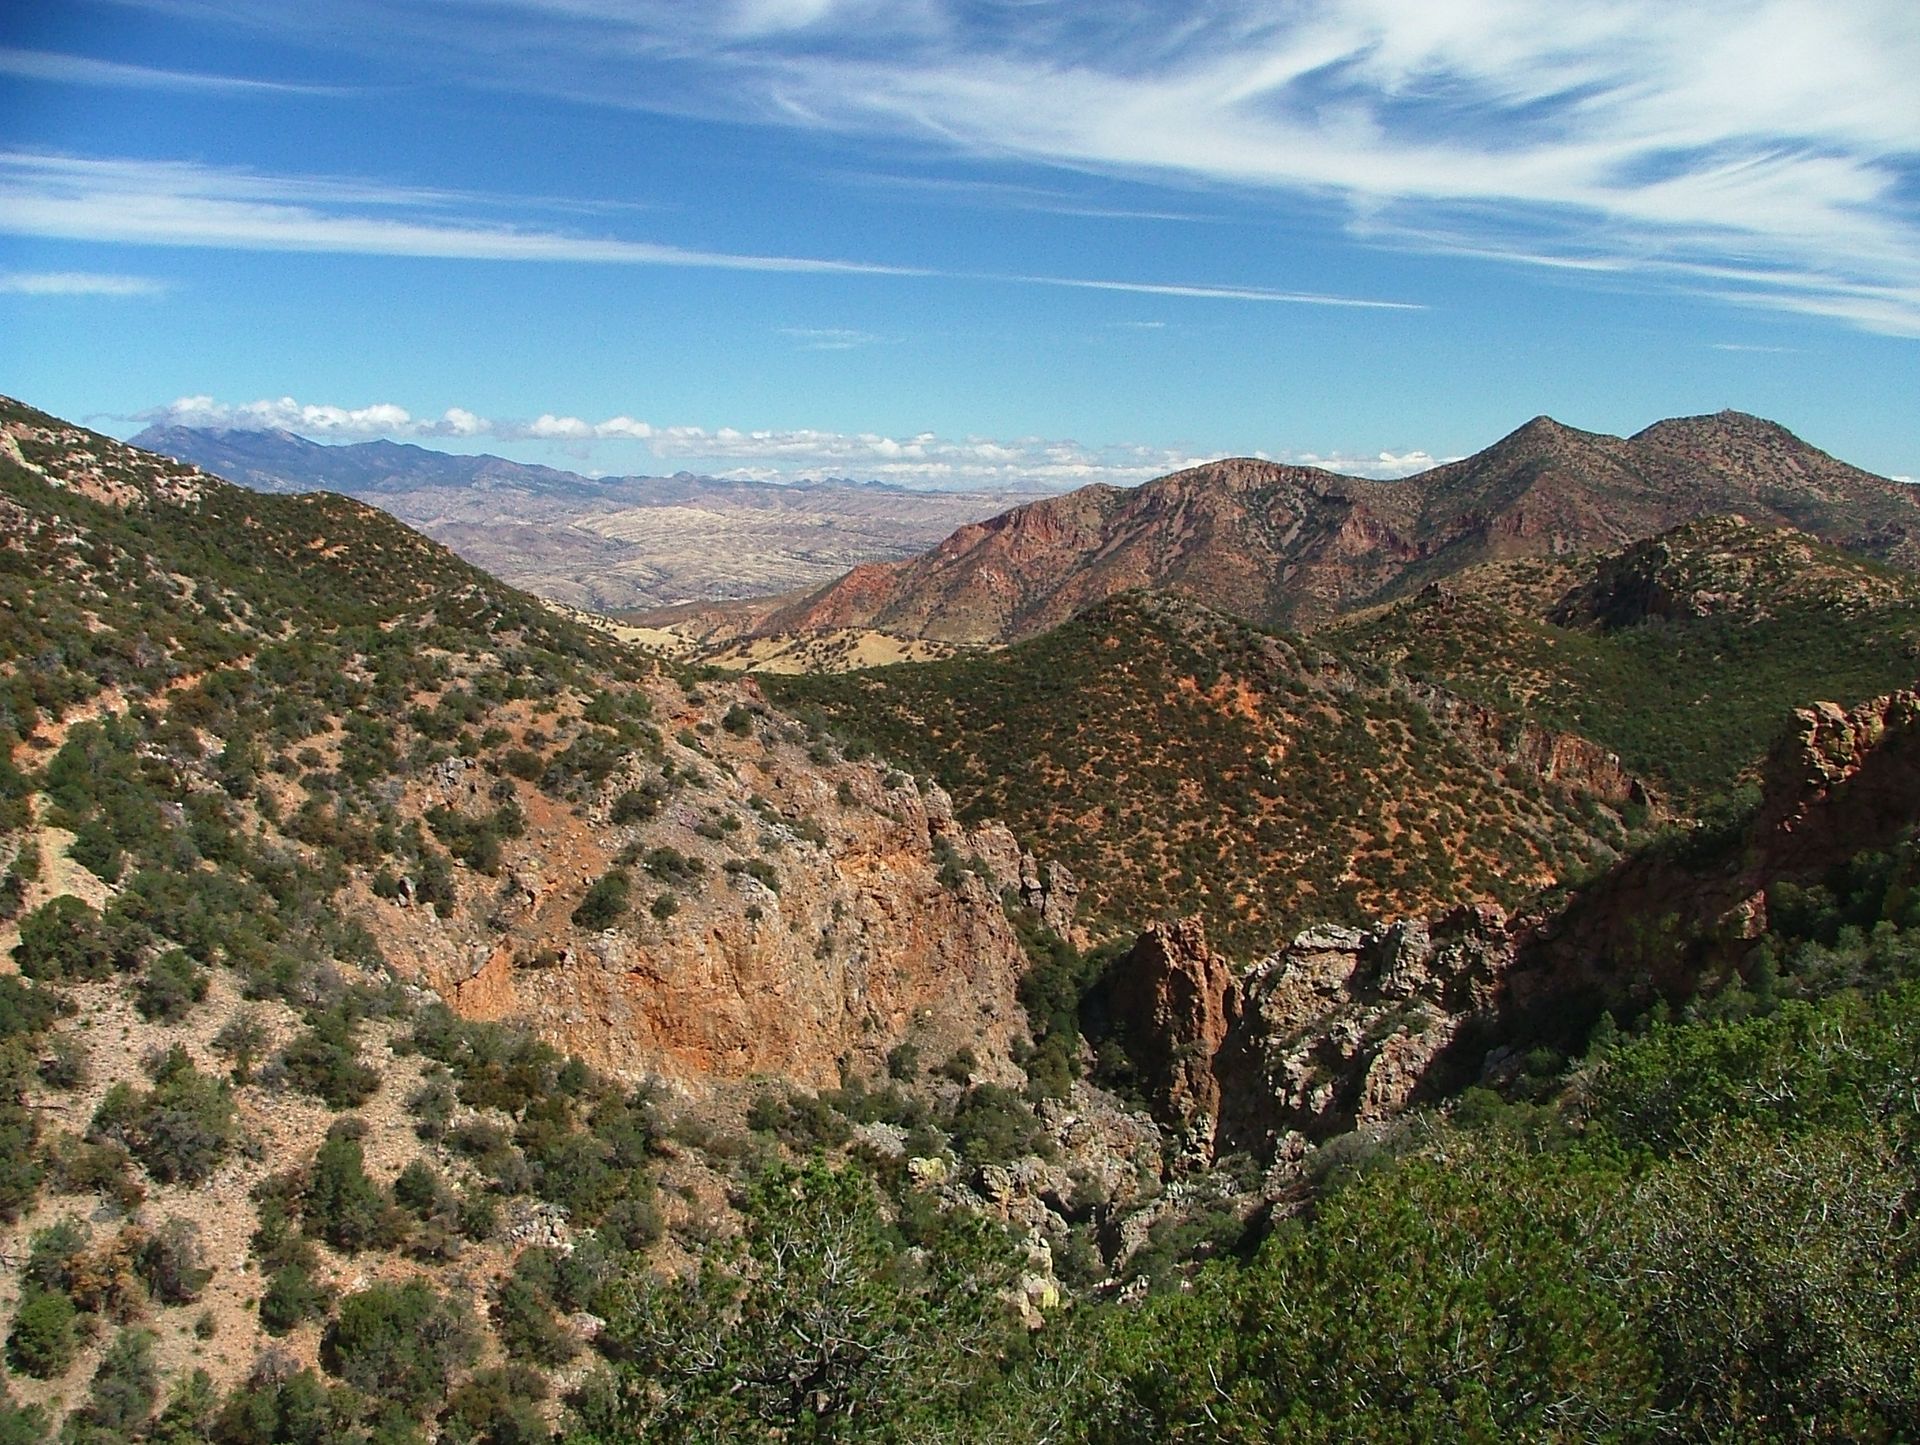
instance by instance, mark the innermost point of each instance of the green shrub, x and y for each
(638, 805)
(994, 1125)
(432, 1106)
(180, 1129)
(400, 1344)
(670, 865)
(756, 868)
(44, 1335)
(125, 1384)
(498, 1407)
(52, 1253)
(27, 1009)
(78, 1166)
(419, 1189)
(187, 1417)
(241, 1041)
(173, 1264)
(64, 1064)
(23, 1424)
(341, 1204)
(604, 902)
(62, 941)
(325, 1062)
(819, 1326)
(525, 1322)
(174, 983)
(291, 1297)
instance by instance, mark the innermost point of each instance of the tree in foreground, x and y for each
(821, 1324)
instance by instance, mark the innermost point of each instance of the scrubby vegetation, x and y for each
(260, 1191)
(1698, 1232)
(1681, 654)
(1181, 761)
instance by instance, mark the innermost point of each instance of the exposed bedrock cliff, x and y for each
(1176, 1001)
(1346, 1027)
(1341, 1027)
(1555, 757)
(1670, 919)
(788, 917)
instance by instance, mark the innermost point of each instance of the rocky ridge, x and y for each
(1344, 1028)
(1297, 546)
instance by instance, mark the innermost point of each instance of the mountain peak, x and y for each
(1293, 546)
(1545, 432)
(1723, 425)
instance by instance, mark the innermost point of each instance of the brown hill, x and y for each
(1181, 760)
(1680, 652)
(460, 766)
(1295, 546)
(1468, 743)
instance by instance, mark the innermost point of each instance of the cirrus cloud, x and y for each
(1762, 152)
(179, 203)
(78, 283)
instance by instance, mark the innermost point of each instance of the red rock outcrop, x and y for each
(1346, 1027)
(1175, 1000)
(1341, 1028)
(1667, 921)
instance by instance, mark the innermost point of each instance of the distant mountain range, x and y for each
(1296, 546)
(279, 461)
(604, 543)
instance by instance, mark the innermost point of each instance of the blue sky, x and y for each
(963, 242)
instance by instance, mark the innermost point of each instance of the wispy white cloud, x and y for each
(1773, 142)
(1221, 293)
(177, 203)
(78, 283)
(922, 459)
(975, 193)
(84, 70)
(180, 204)
(830, 338)
(1741, 346)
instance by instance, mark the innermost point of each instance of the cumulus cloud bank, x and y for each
(922, 459)
(335, 423)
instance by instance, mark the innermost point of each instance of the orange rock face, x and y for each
(818, 914)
